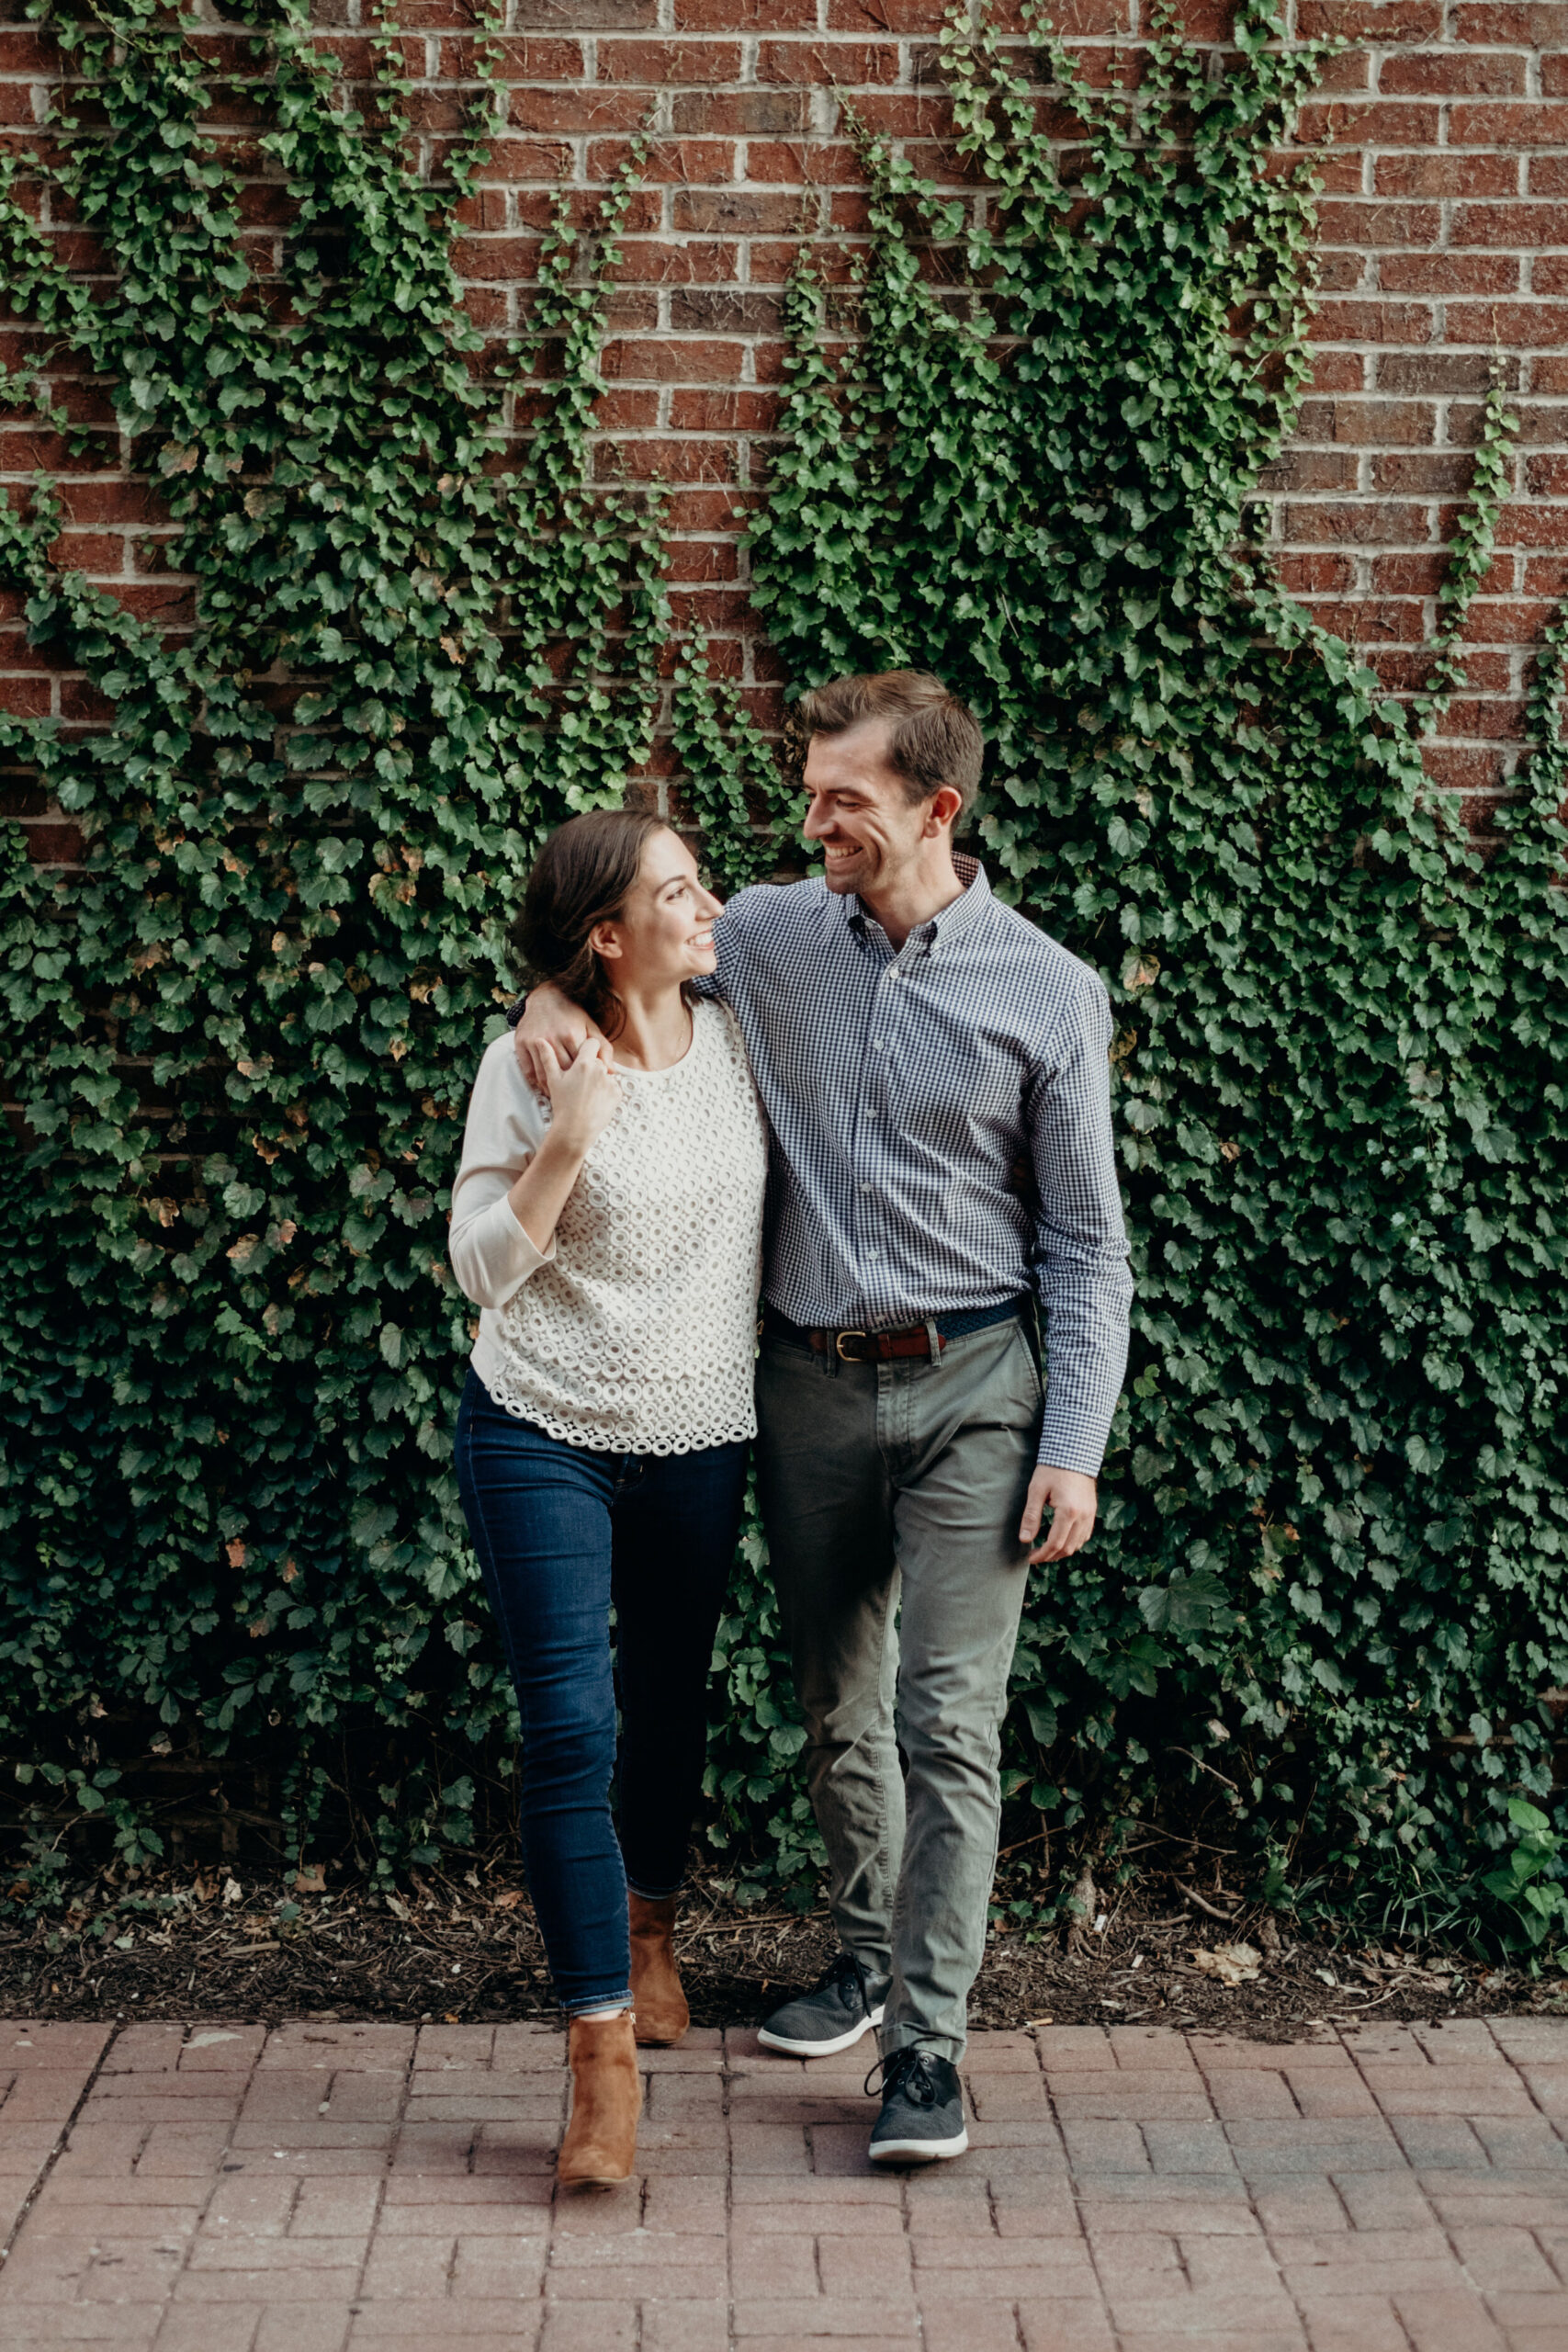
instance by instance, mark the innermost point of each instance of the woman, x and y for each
(612, 1242)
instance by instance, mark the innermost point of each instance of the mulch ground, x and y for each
(465, 1950)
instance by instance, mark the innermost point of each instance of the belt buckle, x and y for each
(838, 1339)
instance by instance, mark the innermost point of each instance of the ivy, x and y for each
(243, 1033)
(1024, 454)
(1335, 1507)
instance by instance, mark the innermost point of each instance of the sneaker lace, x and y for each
(908, 2072)
(840, 1974)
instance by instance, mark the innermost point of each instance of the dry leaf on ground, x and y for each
(1231, 1963)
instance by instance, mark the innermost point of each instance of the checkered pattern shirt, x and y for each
(940, 1129)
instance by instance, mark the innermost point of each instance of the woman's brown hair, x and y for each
(581, 878)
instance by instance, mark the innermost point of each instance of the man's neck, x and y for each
(918, 895)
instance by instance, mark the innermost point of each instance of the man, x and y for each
(935, 1072)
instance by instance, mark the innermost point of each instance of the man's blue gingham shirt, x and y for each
(941, 1128)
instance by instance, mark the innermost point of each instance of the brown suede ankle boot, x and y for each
(658, 2005)
(600, 2146)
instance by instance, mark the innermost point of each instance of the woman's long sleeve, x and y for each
(490, 1252)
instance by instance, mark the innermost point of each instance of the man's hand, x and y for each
(549, 1019)
(1070, 1498)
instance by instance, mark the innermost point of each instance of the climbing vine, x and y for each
(1329, 1592)
(242, 1033)
(1329, 1581)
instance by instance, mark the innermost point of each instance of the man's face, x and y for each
(860, 810)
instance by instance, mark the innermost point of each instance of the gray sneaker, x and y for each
(845, 2004)
(922, 2111)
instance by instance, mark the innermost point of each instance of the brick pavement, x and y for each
(338, 2187)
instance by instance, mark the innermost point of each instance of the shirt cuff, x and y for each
(1057, 1451)
(494, 1255)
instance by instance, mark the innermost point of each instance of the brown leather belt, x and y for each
(909, 1339)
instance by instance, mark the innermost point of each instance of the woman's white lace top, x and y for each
(636, 1330)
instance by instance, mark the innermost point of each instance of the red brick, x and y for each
(929, 16)
(1300, 470)
(1384, 322)
(664, 65)
(1531, 526)
(767, 161)
(748, 16)
(1523, 325)
(1439, 373)
(1449, 174)
(816, 65)
(1368, 422)
(1424, 476)
(1449, 273)
(25, 698)
(1373, 620)
(1378, 21)
(1366, 227)
(704, 410)
(1314, 574)
(1529, 124)
(690, 362)
(1358, 522)
(694, 262)
(1379, 122)
(734, 212)
(1495, 73)
(578, 111)
(1526, 227)
(1532, 24)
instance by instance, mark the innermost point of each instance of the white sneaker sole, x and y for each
(787, 2049)
(918, 2152)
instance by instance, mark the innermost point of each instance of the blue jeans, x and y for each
(561, 1533)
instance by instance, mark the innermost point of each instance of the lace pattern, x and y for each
(640, 1336)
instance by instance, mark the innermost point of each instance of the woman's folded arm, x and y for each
(492, 1254)
(490, 1251)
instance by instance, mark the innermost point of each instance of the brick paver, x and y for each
(378, 2189)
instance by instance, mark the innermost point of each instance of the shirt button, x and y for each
(868, 1188)
(878, 1044)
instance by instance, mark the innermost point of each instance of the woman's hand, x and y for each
(550, 1022)
(584, 1097)
(584, 1101)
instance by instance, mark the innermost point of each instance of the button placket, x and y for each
(872, 1110)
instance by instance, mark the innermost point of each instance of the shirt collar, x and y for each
(958, 916)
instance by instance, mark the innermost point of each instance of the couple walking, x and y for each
(933, 1146)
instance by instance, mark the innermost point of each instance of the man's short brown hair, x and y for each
(932, 738)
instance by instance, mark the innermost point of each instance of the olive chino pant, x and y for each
(891, 1495)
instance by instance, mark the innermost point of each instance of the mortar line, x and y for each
(1087, 2242)
(724, 2081)
(41, 2177)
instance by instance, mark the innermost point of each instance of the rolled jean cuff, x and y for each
(655, 1893)
(598, 2001)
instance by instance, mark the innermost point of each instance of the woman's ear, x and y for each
(604, 940)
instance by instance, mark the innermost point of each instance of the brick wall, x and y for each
(1444, 236)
